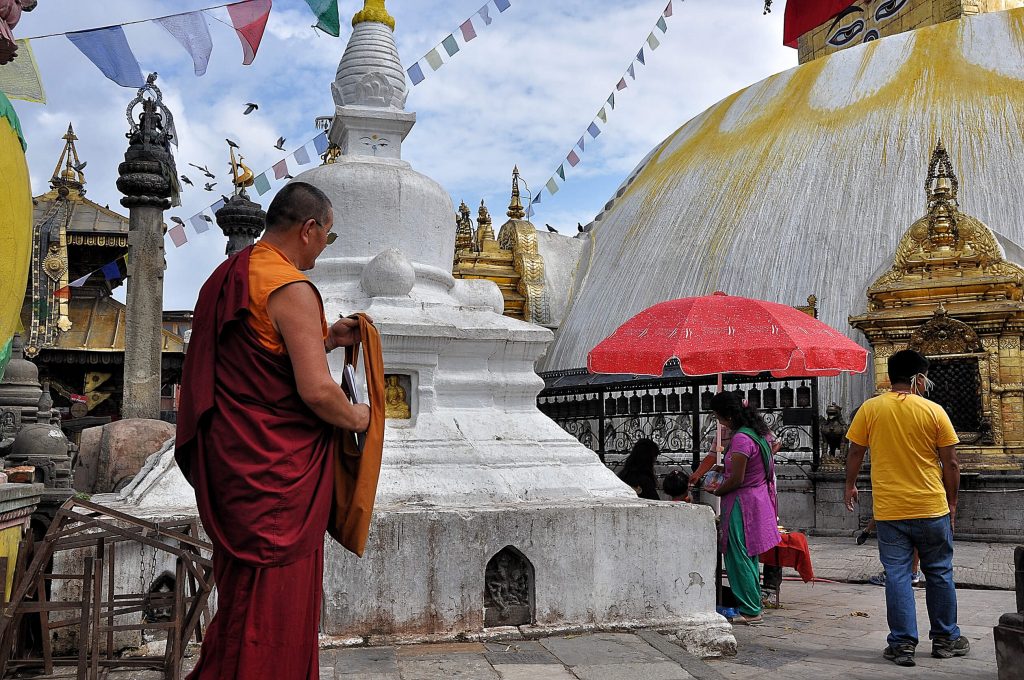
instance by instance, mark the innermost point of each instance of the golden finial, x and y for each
(71, 175)
(515, 208)
(463, 229)
(484, 230)
(941, 188)
(374, 10)
(241, 174)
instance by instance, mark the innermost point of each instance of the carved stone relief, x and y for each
(508, 589)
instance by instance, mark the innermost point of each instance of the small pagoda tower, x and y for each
(952, 295)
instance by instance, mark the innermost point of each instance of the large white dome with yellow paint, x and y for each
(15, 224)
(804, 182)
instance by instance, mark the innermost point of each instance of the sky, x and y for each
(521, 94)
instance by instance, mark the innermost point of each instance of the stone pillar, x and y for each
(148, 182)
(242, 221)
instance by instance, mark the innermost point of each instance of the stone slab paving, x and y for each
(975, 565)
(829, 630)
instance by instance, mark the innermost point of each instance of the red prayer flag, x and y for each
(621, 84)
(468, 32)
(668, 9)
(62, 293)
(177, 234)
(281, 168)
(249, 19)
(572, 158)
(803, 15)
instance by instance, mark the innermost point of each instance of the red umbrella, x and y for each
(722, 333)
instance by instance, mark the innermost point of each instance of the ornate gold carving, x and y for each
(463, 229)
(396, 400)
(484, 231)
(520, 236)
(1010, 342)
(241, 174)
(943, 334)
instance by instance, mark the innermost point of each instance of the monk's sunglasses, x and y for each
(331, 236)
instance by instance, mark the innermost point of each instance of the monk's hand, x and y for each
(343, 333)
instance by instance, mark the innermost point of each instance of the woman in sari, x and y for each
(749, 515)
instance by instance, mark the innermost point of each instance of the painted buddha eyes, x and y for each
(846, 34)
(888, 9)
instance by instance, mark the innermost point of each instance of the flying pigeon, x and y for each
(177, 220)
(579, 227)
(206, 217)
(80, 166)
(550, 228)
(249, 108)
(231, 144)
(210, 185)
(288, 177)
(187, 181)
(205, 170)
(280, 144)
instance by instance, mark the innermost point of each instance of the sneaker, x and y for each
(878, 579)
(944, 648)
(901, 655)
(917, 578)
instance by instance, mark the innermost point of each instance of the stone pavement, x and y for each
(975, 565)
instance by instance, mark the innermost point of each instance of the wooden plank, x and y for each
(96, 610)
(44, 625)
(83, 631)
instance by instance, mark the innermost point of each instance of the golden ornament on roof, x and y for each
(374, 10)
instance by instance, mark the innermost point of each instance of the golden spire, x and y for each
(515, 208)
(463, 229)
(484, 230)
(71, 176)
(941, 187)
(374, 10)
(241, 174)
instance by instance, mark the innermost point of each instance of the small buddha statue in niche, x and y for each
(396, 404)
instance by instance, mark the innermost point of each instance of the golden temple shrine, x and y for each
(952, 295)
(74, 328)
(511, 260)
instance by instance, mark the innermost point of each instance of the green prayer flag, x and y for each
(662, 25)
(652, 42)
(434, 59)
(552, 186)
(611, 100)
(561, 171)
(450, 46)
(262, 184)
(326, 12)
(602, 115)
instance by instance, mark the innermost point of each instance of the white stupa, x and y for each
(484, 502)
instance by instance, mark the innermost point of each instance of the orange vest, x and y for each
(356, 473)
(269, 270)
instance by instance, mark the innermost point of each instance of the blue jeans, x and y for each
(933, 538)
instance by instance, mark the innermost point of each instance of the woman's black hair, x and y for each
(641, 458)
(730, 405)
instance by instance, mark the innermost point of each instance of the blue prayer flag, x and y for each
(415, 73)
(594, 130)
(502, 5)
(199, 224)
(217, 206)
(301, 155)
(109, 50)
(580, 144)
(320, 143)
(536, 199)
(640, 56)
(111, 271)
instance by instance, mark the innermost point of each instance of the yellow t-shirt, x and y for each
(904, 432)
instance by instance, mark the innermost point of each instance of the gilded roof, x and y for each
(98, 325)
(88, 217)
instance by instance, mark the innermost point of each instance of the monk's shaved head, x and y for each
(296, 203)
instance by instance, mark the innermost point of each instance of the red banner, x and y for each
(804, 15)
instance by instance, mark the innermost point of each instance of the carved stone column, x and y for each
(148, 182)
(242, 221)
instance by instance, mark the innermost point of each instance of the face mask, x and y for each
(929, 385)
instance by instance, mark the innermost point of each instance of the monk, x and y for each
(255, 429)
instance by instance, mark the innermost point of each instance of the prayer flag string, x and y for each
(651, 43)
(450, 46)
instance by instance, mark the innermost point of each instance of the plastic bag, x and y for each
(713, 480)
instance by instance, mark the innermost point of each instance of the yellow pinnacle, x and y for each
(374, 10)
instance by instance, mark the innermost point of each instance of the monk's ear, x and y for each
(305, 228)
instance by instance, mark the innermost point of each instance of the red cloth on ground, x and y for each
(266, 622)
(261, 464)
(803, 15)
(793, 552)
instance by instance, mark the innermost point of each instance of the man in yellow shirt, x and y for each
(915, 477)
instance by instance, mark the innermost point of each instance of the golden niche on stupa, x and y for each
(511, 259)
(952, 295)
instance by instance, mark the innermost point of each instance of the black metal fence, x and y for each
(609, 413)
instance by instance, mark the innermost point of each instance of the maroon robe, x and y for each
(261, 465)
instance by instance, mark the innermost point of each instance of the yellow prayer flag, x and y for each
(20, 79)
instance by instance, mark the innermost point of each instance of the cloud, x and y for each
(521, 93)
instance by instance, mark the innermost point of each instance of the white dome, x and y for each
(804, 183)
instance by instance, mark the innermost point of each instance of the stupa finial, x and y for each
(69, 168)
(515, 208)
(941, 188)
(374, 10)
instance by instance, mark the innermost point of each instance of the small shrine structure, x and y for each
(952, 295)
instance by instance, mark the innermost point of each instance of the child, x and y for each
(676, 485)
